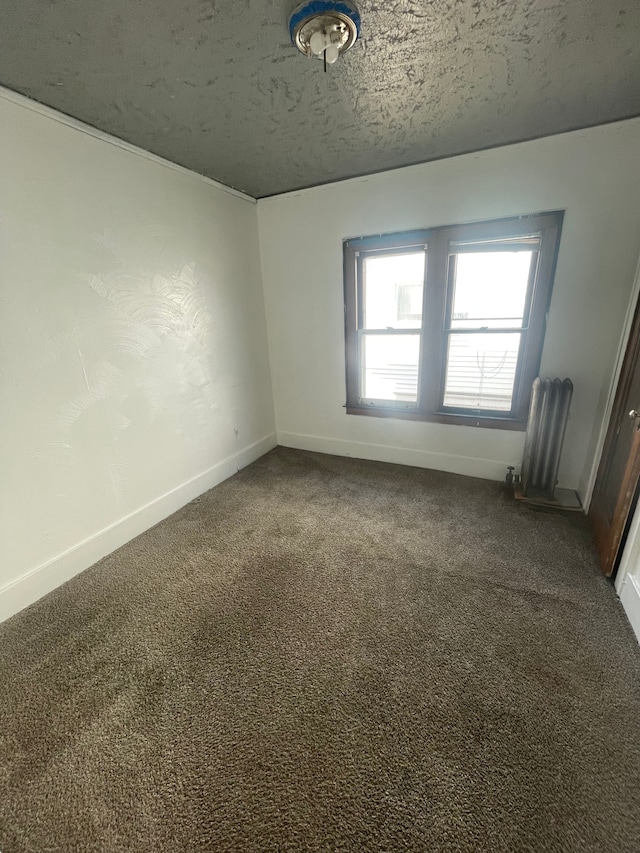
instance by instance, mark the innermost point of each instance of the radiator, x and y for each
(548, 414)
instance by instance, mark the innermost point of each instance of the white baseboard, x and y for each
(486, 469)
(39, 581)
(630, 598)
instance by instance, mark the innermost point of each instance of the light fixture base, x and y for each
(323, 27)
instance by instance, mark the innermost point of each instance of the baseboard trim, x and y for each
(630, 598)
(485, 469)
(23, 591)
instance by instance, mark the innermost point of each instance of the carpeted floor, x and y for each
(325, 654)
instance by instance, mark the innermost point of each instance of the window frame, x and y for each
(436, 313)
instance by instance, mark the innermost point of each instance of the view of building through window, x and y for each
(392, 320)
(489, 296)
(483, 331)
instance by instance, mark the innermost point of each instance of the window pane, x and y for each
(390, 367)
(490, 290)
(481, 370)
(392, 291)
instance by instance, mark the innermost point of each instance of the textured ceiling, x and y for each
(216, 86)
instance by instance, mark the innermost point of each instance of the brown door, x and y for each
(619, 470)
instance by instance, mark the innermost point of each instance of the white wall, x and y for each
(593, 174)
(134, 368)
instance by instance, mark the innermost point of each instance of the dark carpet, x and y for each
(325, 654)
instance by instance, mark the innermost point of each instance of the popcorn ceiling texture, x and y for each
(217, 87)
(327, 654)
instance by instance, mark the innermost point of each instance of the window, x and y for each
(447, 324)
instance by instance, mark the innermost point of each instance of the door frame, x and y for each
(634, 298)
(632, 543)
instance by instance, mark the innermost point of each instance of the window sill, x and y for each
(484, 422)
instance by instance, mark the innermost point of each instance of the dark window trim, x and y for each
(436, 309)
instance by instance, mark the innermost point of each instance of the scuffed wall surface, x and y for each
(216, 85)
(132, 346)
(592, 174)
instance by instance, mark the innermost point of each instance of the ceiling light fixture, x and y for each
(325, 28)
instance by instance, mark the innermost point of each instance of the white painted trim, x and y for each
(41, 580)
(622, 349)
(486, 469)
(631, 553)
(75, 124)
(630, 598)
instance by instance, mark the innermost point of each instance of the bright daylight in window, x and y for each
(393, 286)
(449, 322)
(486, 318)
